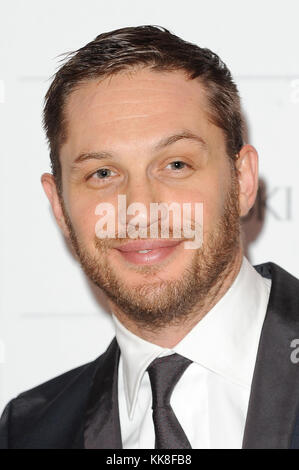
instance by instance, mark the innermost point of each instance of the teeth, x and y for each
(143, 251)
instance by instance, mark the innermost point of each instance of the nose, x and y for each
(140, 194)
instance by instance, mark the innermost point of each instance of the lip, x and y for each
(138, 245)
(160, 250)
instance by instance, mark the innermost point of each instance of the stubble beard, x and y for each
(156, 303)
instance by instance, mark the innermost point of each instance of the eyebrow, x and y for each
(177, 137)
(92, 155)
(165, 142)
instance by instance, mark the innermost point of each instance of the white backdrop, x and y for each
(50, 320)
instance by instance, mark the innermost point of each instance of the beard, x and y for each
(155, 303)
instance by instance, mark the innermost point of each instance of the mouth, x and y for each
(148, 251)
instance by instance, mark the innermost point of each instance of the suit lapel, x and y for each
(274, 398)
(101, 425)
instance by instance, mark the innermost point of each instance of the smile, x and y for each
(148, 251)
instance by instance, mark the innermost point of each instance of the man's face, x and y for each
(133, 120)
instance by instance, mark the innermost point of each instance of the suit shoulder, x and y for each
(27, 408)
(270, 270)
(284, 293)
(36, 401)
(58, 403)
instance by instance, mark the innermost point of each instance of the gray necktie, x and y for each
(164, 373)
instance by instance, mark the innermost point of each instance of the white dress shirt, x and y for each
(211, 398)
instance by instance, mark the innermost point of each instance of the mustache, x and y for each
(113, 242)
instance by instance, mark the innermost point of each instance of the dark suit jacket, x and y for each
(79, 409)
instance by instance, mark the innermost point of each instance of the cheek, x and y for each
(208, 192)
(84, 220)
(81, 209)
(213, 195)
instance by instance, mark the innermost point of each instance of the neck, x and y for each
(170, 335)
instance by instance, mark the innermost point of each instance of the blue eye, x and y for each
(178, 165)
(103, 173)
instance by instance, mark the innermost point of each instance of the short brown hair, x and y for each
(153, 47)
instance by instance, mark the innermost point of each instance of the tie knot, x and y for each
(164, 373)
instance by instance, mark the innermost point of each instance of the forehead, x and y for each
(137, 106)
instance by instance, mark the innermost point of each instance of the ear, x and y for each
(50, 189)
(247, 166)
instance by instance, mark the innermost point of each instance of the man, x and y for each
(202, 354)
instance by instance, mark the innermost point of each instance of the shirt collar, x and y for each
(137, 354)
(224, 341)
